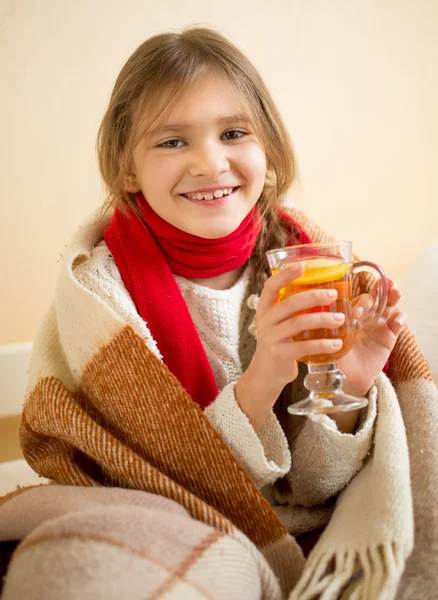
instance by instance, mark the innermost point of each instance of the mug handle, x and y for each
(381, 294)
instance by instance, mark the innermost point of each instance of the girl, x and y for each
(155, 381)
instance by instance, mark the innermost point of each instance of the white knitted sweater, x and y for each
(318, 460)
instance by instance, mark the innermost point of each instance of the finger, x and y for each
(397, 322)
(311, 347)
(393, 300)
(394, 293)
(362, 305)
(306, 322)
(386, 315)
(275, 283)
(390, 282)
(394, 296)
(298, 302)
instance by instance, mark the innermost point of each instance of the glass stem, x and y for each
(324, 381)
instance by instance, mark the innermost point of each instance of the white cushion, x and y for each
(420, 302)
(14, 364)
(17, 473)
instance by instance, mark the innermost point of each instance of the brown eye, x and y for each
(171, 144)
(233, 134)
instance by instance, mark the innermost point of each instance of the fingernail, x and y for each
(332, 293)
(338, 316)
(292, 268)
(337, 343)
(359, 311)
(401, 320)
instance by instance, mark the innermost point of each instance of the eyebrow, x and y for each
(181, 126)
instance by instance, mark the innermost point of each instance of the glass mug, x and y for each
(329, 266)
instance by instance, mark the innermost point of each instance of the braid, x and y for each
(275, 233)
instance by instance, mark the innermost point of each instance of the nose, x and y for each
(208, 160)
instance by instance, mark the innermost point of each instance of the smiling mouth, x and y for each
(210, 196)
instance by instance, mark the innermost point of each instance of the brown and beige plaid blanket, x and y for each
(103, 413)
(114, 543)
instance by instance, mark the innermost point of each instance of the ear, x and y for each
(131, 184)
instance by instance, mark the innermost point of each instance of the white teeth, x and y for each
(210, 195)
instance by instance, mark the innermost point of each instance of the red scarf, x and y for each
(148, 251)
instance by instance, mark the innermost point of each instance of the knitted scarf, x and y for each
(148, 251)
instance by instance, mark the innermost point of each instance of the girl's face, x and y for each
(201, 166)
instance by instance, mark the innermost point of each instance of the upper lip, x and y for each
(210, 189)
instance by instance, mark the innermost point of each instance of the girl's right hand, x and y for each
(274, 363)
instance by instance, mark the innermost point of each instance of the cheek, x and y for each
(158, 176)
(255, 165)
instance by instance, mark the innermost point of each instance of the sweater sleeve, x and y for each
(266, 456)
(324, 460)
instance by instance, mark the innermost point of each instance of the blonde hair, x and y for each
(162, 67)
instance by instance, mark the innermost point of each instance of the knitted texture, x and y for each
(113, 543)
(216, 315)
(266, 457)
(102, 409)
(220, 318)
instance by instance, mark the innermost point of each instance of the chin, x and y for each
(215, 232)
(215, 227)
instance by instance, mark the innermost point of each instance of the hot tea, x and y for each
(329, 266)
(325, 273)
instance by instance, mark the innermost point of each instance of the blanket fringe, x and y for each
(373, 572)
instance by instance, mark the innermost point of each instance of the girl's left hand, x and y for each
(371, 349)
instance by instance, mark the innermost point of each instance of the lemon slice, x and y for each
(322, 270)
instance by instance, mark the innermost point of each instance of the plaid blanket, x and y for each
(114, 543)
(102, 411)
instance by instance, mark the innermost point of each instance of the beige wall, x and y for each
(357, 83)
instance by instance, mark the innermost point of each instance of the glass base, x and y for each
(327, 406)
(326, 397)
